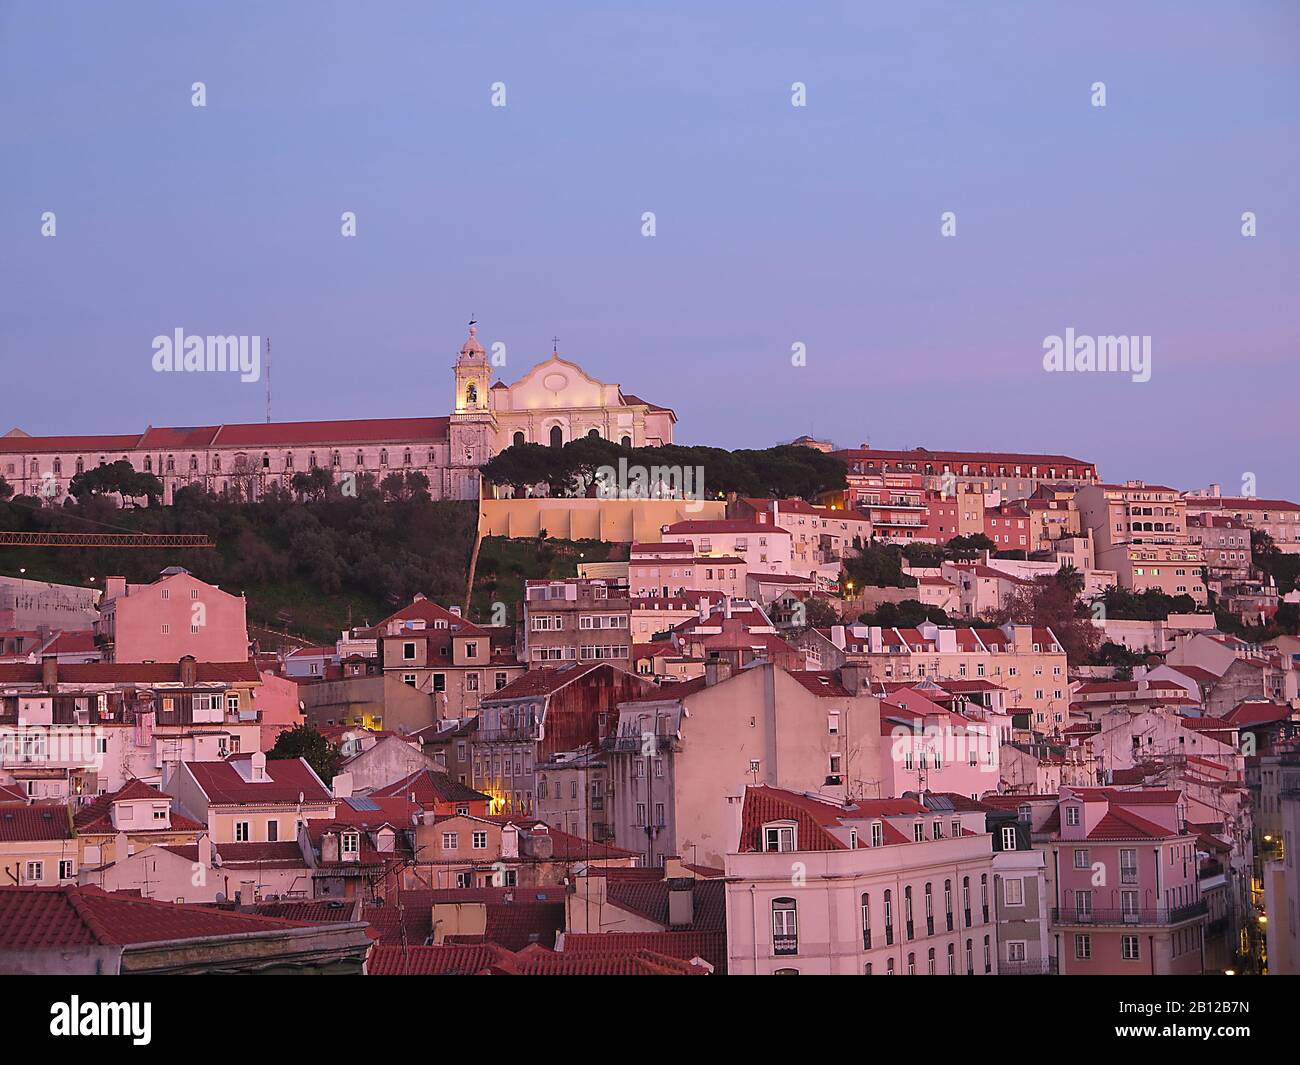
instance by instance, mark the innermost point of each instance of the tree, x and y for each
(961, 548)
(303, 741)
(877, 565)
(6, 490)
(119, 478)
(818, 614)
(312, 484)
(404, 485)
(1050, 602)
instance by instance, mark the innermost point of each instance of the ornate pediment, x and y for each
(556, 384)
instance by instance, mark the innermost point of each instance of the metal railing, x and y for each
(1159, 915)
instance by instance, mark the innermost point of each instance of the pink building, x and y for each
(1127, 891)
(765, 548)
(872, 887)
(670, 570)
(175, 616)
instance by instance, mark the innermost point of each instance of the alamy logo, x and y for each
(211, 354)
(134, 1019)
(1081, 354)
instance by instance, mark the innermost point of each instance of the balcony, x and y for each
(1041, 967)
(785, 944)
(1160, 915)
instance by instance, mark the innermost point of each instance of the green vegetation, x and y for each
(774, 472)
(303, 741)
(877, 565)
(504, 565)
(908, 614)
(308, 567)
(1121, 604)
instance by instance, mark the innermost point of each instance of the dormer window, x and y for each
(350, 845)
(877, 834)
(1072, 815)
(1008, 837)
(779, 837)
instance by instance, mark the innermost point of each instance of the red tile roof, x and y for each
(35, 918)
(287, 780)
(30, 824)
(710, 946)
(418, 960)
(430, 788)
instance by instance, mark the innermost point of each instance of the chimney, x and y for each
(726, 607)
(704, 608)
(837, 636)
(681, 902)
(205, 852)
(257, 766)
(114, 587)
(716, 670)
(342, 786)
(189, 672)
(246, 894)
(50, 673)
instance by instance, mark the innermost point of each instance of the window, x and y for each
(1130, 948)
(779, 838)
(241, 831)
(35, 871)
(785, 927)
(1016, 950)
(480, 841)
(877, 834)
(67, 869)
(1081, 858)
(1008, 837)
(273, 831)
(1013, 892)
(1128, 870)
(350, 843)
(1072, 815)
(450, 841)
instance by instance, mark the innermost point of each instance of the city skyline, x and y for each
(776, 225)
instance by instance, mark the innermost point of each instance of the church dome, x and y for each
(472, 349)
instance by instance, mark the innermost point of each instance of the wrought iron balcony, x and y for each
(1159, 915)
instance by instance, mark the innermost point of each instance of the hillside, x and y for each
(306, 568)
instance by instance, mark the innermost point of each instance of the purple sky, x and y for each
(776, 224)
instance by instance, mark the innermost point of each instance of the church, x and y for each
(552, 404)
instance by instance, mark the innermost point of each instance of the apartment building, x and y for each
(879, 887)
(1226, 544)
(1280, 518)
(1015, 476)
(577, 620)
(248, 799)
(765, 548)
(438, 652)
(1140, 531)
(820, 536)
(682, 754)
(1127, 885)
(1028, 662)
(175, 616)
(674, 570)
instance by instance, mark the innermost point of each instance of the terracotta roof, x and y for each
(98, 816)
(431, 787)
(920, 456)
(418, 960)
(1120, 823)
(36, 918)
(1257, 712)
(820, 682)
(710, 946)
(30, 824)
(287, 779)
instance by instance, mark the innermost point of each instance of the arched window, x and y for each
(266, 460)
(311, 460)
(171, 463)
(361, 458)
(148, 464)
(383, 456)
(58, 465)
(626, 441)
(336, 459)
(216, 463)
(471, 395)
(866, 920)
(288, 460)
(194, 462)
(406, 457)
(594, 434)
(557, 436)
(518, 440)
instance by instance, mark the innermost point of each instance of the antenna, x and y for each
(268, 380)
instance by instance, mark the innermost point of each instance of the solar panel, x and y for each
(939, 803)
(362, 802)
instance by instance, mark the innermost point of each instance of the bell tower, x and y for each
(472, 432)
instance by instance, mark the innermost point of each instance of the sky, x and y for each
(775, 225)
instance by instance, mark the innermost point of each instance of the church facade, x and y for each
(555, 402)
